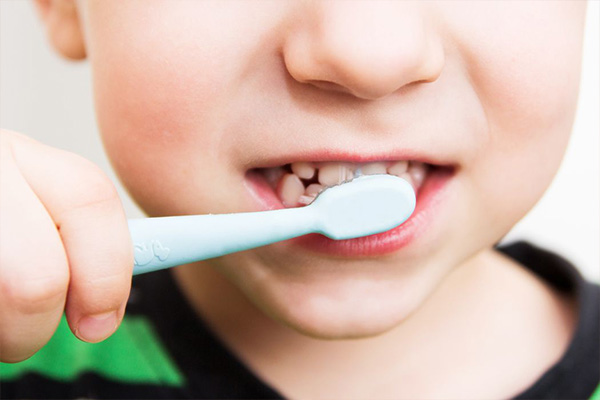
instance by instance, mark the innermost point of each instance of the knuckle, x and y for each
(97, 190)
(37, 295)
(88, 186)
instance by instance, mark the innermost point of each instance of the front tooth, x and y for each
(313, 189)
(417, 171)
(334, 173)
(406, 176)
(303, 169)
(373, 168)
(290, 189)
(398, 168)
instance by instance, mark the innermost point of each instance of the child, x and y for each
(217, 107)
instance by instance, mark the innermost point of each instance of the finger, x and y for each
(85, 207)
(34, 273)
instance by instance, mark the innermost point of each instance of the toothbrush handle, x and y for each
(169, 241)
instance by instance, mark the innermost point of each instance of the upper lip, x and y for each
(351, 156)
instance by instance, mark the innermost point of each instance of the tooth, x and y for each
(290, 189)
(304, 199)
(313, 189)
(334, 173)
(373, 168)
(303, 169)
(310, 193)
(406, 176)
(417, 171)
(398, 168)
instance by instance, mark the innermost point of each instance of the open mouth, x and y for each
(297, 184)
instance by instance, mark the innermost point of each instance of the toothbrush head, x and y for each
(364, 206)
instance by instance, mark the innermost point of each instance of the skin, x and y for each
(185, 108)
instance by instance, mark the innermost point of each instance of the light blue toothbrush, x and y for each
(364, 206)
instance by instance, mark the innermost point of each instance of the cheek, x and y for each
(525, 69)
(150, 134)
(523, 58)
(161, 96)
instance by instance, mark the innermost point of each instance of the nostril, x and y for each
(329, 86)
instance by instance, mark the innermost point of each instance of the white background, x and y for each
(50, 99)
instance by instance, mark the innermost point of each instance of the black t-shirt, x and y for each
(163, 350)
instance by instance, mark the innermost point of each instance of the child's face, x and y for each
(194, 96)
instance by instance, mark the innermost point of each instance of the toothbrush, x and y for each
(365, 206)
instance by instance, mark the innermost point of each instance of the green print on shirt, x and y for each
(132, 354)
(596, 394)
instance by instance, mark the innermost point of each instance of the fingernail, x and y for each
(95, 328)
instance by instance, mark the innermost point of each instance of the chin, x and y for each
(343, 309)
(343, 321)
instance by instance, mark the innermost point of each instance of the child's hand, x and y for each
(64, 245)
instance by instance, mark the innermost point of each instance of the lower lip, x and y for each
(429, 199)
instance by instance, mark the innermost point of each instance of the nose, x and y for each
(368, 49)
